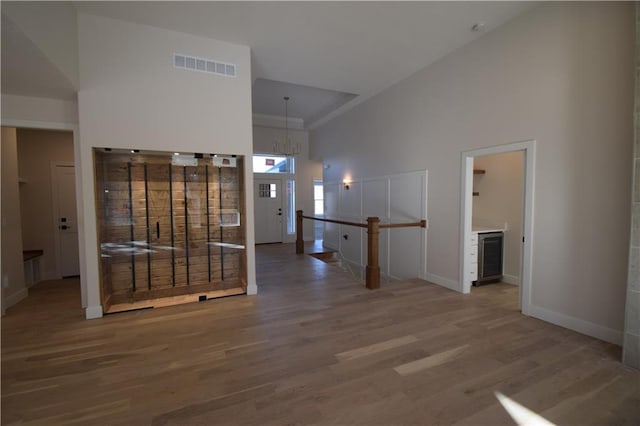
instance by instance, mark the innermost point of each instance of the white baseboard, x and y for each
(93, 312)
(14, 298)
(442, 281)
(510, 279)
(354, 267)
(581, 326)
(328, 245)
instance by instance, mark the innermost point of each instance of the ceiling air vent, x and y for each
(210, 66)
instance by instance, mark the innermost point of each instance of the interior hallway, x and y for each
(314, 347)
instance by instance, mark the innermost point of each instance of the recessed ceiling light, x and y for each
(478, 27)
(176, 153)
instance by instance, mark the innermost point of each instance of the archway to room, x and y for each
(514, 233)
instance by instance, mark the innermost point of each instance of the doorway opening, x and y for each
(40, 147)
(517, 231)
(274, 198)
(48, 205)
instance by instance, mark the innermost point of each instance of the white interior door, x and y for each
(268, 210)
(67, 223)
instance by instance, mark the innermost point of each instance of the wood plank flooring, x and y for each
(314, 347)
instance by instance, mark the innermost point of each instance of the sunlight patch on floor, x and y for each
(521, 414)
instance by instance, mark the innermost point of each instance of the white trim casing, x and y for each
(73, 127)
(93, 312)
(466, 201)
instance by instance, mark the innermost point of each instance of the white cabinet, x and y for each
(473, 257)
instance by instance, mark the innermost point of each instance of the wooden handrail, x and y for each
(340, 222)
(421, 224)
(373, 226)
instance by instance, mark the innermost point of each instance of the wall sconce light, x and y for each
(346, 182)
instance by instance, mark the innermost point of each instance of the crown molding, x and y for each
(265, 120)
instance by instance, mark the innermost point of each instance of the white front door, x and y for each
(268, 210)
(64, 188)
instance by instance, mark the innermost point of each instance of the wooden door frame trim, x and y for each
(466, 170)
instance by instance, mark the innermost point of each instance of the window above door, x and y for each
(272, 164)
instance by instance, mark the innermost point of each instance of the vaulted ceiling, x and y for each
(325, 55)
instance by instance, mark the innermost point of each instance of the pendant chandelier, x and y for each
(286, 147)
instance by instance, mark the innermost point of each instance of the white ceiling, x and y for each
(344, 48)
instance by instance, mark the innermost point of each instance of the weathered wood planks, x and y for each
(160, 226)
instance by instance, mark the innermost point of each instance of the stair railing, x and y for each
(373, 225)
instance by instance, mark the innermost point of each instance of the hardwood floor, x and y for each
(314, 347)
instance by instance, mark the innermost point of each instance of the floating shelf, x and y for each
(478, 172)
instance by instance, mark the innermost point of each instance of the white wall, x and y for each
(12, 265)
(36, 20)
(500, 202)
(131, 96)
(29, 110)
(306, 170)
(561, 74)
(37, 149)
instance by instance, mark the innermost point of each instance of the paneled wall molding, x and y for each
(392, 198)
